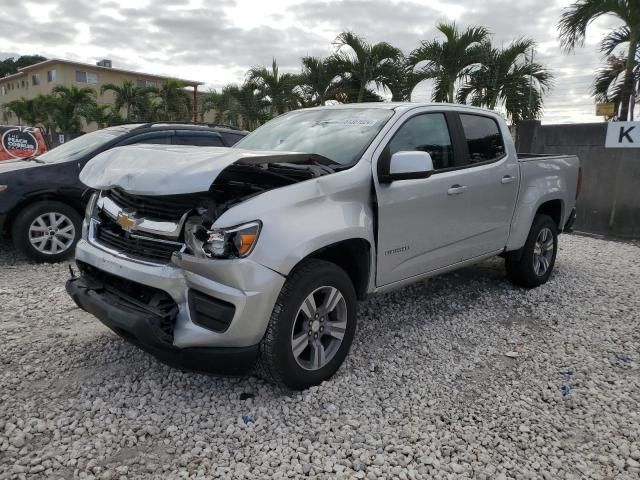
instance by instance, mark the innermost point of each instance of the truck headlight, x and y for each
(91, 205)
(233, 242)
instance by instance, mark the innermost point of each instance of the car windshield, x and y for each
(341, 135)
(76, 148)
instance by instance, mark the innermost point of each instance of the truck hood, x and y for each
(165, 170)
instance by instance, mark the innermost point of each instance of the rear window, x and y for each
(484, 139)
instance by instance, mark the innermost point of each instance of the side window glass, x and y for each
(484, 139)
(166, 140)
(426, 133)
(199, 140)
(231, 138)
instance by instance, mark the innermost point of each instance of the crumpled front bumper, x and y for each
(251, 288)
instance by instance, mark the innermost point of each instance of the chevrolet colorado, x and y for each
(220, 259)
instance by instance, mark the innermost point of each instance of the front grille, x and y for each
(109, 234)
(164, 208)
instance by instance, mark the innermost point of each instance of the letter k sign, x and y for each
(623, 135)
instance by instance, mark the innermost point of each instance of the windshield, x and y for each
(76, 148)
(341, 135)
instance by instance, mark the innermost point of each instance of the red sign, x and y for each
(21, 142)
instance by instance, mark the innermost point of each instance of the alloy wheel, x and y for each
(319, 328)
(52, 233)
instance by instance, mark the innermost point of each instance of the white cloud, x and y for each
(215, 41)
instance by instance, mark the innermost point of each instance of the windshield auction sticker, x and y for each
(17, 143)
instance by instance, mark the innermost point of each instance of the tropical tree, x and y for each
(72, 102)
(173, 102)
(361, 64)
(399, 79)
(279, 89)
(610, 79)
(102, 115)
(133, 98)
(17, 108)
(447, 62)
(505, 78)
(573, 28)
(209, 101)
(318, 80)
(245, 106)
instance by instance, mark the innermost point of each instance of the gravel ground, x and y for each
(462, 376)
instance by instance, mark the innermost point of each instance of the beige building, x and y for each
(42, 77)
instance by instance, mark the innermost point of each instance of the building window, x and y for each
(51, 75)
(35, 79)
(86, 77)
(147, 83)
(23, 84)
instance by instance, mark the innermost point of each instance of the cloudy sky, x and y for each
(215, 41)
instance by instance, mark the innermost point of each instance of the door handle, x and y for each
(457, 189)
(508, 179)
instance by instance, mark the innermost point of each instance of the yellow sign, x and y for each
(605, 109)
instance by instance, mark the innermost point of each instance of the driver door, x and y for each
(421, 222)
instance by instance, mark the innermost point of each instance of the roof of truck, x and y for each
(404, 105)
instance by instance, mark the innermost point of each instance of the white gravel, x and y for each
(463, 376)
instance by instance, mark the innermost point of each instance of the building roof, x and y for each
(52, 61)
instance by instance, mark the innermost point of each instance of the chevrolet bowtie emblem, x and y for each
(127, 221)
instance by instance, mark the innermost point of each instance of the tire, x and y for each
(525, 267)
(293, 323)
(31, 229)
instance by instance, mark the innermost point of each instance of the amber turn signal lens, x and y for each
(244, 242)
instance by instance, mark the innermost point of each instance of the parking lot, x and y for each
(462, 376)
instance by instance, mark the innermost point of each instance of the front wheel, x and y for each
(311, 327)
(47, 231)
(532, 265)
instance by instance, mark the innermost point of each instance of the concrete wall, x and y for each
(610, 199)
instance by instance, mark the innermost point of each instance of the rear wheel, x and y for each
(311, 327)
(47, 231)
(532, 265)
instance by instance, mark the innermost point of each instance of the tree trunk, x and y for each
(451, 92)
(361, 92)
(628, 85)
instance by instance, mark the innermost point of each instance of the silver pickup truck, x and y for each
(223, 259)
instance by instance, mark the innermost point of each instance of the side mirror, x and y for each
(408, 166)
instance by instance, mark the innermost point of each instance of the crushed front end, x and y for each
(154, 271)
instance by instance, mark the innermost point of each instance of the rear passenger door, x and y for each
(199, 139)
(490, 176)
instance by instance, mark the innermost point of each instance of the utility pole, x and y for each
(531, 86)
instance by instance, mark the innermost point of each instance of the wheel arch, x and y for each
(75, 203)
(353, 256)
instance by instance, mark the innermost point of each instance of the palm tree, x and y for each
(506, 78)
(18, 108)
(72, 102)
(245, 106)
(318, 80)
(131, 97)
(279, 89)
(399, 79)
(449, 61)
(610, 79)
(361, 64)
(210, 101)
(573, 28)
(103, 115)
(174, 102)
